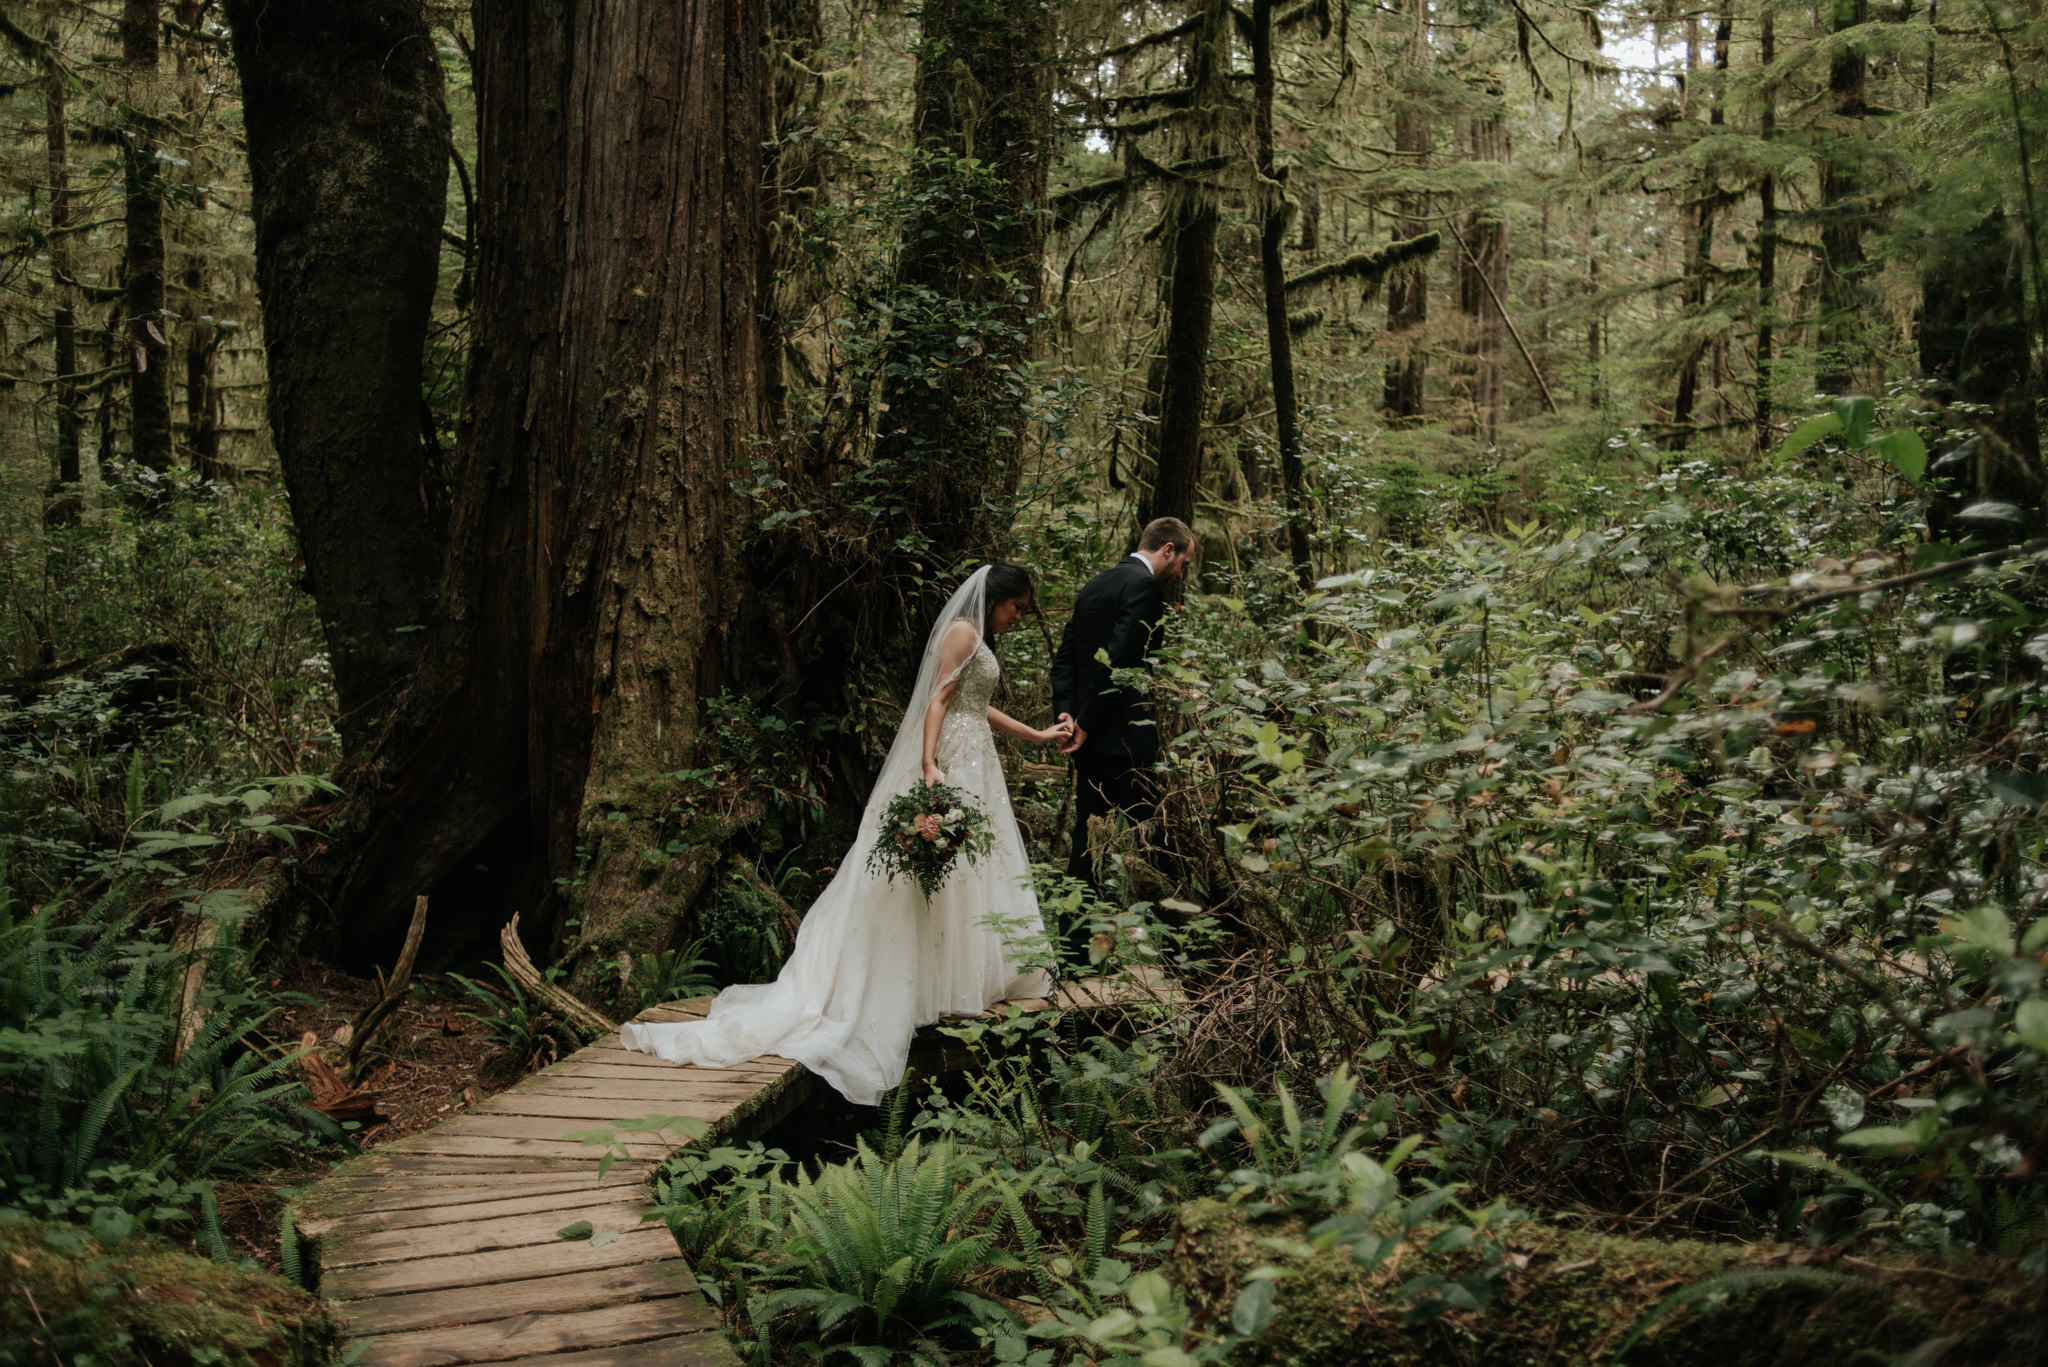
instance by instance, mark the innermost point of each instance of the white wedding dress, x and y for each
(872, 961)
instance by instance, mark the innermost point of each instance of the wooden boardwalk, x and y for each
(444, 1247)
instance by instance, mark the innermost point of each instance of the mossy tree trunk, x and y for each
(1699, 260)
(63, 507)
(1408, 291)
(1843, 213)
(1483, 280)
(1273, 277)
(1193, 216)
(348, 159)
(142, 274)
(951, 441)
(1766, 248)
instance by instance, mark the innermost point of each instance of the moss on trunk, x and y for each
(1573, 1296)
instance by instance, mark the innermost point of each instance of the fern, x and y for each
(87, 1140)
(210, 1237)
(288, 1248)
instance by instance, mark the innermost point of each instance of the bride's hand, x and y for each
(932, 774)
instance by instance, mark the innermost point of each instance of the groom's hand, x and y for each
(1076, 737)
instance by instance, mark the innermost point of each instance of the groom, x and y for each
(1115, 742)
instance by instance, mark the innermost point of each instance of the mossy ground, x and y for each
(1574, 1297)
(65, 1298)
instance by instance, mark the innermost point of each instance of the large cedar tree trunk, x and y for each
(348, 157)
(1193, 216)
(148, 347)
(614, 390)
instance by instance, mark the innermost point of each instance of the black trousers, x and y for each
(1105, 783)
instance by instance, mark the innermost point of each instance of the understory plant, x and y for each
(132, 1070)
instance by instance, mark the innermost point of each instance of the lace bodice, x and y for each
(964, 735)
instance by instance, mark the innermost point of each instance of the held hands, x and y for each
(1060, 733)
(1074, 737)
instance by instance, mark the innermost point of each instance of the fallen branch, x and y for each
(1857, 590)
(376, 1018)
(1806, 602)
(578, 1016)
(333, 1097)
(1500, 306)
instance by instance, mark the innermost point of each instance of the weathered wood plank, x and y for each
(672, 1101)
(535, 1334)
(708, 1349)
(413, 1164)
(493, 1125)
(480, 1203)
(447, 1143)
(646, 1244)
(538, 1295)
(635, 1072)
(348, 1203)
(357, 1246)
(694, 1080)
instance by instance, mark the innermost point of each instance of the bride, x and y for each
(872, 960)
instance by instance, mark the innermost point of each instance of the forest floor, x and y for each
(436, 1063)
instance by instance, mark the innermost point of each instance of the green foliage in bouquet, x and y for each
(926, 831)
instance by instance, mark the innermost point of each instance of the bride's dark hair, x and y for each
(1007, 583)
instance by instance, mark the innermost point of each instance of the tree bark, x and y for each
(1483, 285)
(951, 441)
(149, 352)
(1273, 276)
(348, 159)
(1191, 280)
(1766, 251)
(1408, 292)
(614, 391)
(1842, 215)
(1974, 351)
(1699, 261)
(203, 332)
(63, 506)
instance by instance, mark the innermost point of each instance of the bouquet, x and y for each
(925, 831)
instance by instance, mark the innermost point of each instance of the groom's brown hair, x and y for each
(1166, 531)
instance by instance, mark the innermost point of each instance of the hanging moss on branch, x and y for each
(1369, 268)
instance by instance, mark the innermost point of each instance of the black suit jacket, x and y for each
(1115, 614)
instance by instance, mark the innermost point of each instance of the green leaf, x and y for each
(1934, 553)
(1856, 412)
(1993, 514)
(1149, 1293)
(2030, 1023)
(1907, 453)
(1253, 1312)
(1809, 432)
(1894, 1137)
(2019, 789)
(582, 1229)
(111, 1224)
